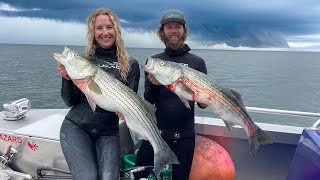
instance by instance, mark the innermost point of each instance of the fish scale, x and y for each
(208, 88)
(132, 108)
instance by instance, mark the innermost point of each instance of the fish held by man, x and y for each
(191, 85)
(110, 94)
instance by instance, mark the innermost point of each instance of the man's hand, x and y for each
(153, 80)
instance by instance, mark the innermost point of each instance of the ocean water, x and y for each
(265, 79)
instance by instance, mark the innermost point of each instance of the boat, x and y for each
(30, 147)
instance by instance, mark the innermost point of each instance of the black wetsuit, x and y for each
(90, 140)
(175, 121)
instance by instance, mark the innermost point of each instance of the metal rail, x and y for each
(286, 112)
(282, 112)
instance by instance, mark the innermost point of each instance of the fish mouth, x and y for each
(149, 65)
(57, 57)
(60, 57)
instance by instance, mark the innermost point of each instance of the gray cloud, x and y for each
(237, 23)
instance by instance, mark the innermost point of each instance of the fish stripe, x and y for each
(129, 103)
(206, 90)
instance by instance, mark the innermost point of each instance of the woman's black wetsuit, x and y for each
(90, 140)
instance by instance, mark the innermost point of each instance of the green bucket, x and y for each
(129, 161)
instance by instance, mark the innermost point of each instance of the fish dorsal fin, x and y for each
(94, 87)
(91, 103)
(237, 95)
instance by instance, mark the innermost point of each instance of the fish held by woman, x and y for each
(110, 94)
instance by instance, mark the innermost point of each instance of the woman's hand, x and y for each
(120, 116)
(62, 70)
(153, 80)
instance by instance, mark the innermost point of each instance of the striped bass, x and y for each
(193, 85)
(111, 94)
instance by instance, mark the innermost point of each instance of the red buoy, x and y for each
(211, 161)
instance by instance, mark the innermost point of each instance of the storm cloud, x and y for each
(245, 23)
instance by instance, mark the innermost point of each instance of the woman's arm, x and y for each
(69, 93)
(134, 75)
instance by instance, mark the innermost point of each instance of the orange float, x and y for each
(211, 161)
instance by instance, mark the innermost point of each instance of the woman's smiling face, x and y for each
(104, 32)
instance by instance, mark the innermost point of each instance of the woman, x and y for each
(90, 140)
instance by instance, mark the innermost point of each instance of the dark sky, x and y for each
(248, 23)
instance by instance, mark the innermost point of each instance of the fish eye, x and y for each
(77, 56)
(161, 63)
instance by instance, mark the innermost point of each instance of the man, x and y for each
(175, 121)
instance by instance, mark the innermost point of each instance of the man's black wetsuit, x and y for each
(90, 140)
(175, 121)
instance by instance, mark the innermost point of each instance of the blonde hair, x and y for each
(92, 44)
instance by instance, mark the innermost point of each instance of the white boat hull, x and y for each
(36, 138)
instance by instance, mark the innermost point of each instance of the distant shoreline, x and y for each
(214, 49)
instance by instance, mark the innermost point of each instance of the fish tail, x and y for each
(263, 137)
(163, 157)
(260, 137)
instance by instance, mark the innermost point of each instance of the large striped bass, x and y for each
(193, 85)
(111, 94)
